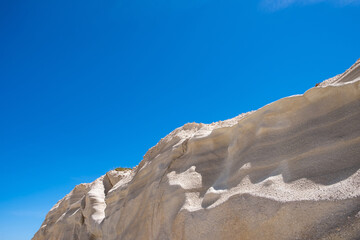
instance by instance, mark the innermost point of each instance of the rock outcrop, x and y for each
(289, 170)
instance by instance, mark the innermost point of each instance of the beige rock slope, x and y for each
(289, 170)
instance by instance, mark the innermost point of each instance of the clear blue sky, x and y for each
(87, 86)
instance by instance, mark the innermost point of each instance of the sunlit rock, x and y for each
(289, 170)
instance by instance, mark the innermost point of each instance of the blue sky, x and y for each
(87, 86)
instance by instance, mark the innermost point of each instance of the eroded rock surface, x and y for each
(289, 170)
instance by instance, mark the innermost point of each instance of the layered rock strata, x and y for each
(289, 170)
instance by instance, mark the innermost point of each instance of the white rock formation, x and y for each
(289, 170)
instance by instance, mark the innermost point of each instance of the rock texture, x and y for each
(289, 170)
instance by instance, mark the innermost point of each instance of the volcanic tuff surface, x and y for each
(289, 170)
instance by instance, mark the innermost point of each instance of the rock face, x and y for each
(289, 170)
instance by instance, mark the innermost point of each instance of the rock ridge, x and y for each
(289, 170)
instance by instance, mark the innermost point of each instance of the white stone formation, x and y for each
(290, 170)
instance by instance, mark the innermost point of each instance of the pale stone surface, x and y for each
(289, 170)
